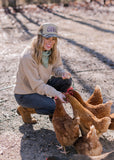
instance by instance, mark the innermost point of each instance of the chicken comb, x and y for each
(69, 90)
(55, 97)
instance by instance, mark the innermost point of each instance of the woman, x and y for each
(41, 76)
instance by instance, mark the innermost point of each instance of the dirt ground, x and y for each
(87, 47)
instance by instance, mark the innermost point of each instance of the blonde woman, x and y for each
(41, 76)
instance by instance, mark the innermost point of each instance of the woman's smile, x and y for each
(48, 43)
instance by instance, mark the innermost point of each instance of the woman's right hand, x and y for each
(61, 97)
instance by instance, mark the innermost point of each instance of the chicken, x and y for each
(66, 128)
(94, 104)
(112, 122)
(96, 97)
(87, 118)
(89, 144)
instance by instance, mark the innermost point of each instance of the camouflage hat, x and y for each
(48, 30)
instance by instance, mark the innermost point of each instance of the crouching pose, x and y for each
(41, 76)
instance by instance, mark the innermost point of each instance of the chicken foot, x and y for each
(63, 148)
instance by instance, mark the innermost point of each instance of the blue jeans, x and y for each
(41, 103)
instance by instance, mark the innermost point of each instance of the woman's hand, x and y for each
(66, 75)
(61, 97)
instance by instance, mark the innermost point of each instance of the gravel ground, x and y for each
(87, 47)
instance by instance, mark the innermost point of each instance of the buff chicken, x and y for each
(89, 144)
(87, 118)
(94, 104)
(96, 98)
(112, 122)
(66, 128)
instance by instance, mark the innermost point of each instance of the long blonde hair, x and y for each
(37, 48)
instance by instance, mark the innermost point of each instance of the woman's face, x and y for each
(48, 43)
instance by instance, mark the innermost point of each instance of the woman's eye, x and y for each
(53, 39)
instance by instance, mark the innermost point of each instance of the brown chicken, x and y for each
(94, 104)
(87, 118)
(89, 144)
(112, 122)
(66, 128)
(96, 98)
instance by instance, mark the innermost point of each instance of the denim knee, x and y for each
(42, 104)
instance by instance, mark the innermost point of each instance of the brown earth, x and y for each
(87, 48)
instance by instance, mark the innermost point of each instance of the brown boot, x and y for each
(31, 110)
(26, 114)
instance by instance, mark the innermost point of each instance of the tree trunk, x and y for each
(55, 1)
(12, 3)
(4, 3)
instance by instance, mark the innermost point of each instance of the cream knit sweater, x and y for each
(32, 78)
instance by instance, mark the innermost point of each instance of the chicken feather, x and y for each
(87, 118)
(66, 128)
(99, 110)
(112, 121)
(89, 144)
(96, 98)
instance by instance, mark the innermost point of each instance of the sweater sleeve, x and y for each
(37, 84)
(58, 67)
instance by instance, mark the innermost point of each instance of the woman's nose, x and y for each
(50, 41)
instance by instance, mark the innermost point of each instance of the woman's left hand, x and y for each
(66, 75)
